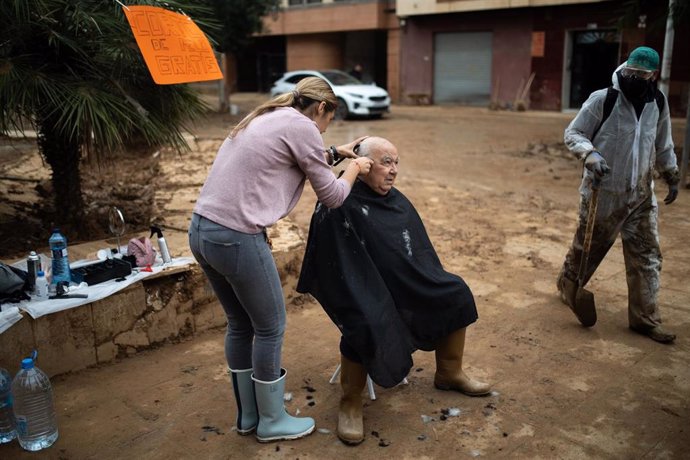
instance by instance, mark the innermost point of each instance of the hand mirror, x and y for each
(116, 224)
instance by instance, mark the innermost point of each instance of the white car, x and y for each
(354, 97)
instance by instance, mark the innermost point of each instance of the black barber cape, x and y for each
(373, 269)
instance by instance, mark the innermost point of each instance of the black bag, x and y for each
(12, 284)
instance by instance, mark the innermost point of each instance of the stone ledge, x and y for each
(160, 309)
(147, 313)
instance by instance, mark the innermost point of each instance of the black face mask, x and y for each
(636, 89)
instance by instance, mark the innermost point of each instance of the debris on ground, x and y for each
(323, 430)
(451, 412)
(554, 150)
(211, 429)
(427, 418)
(287, 397)
(489, 409)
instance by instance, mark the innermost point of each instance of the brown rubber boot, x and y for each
(353, 377)
(449, 373)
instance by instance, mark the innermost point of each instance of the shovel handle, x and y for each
(589, 231)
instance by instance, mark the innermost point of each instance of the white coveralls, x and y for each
(626, 204)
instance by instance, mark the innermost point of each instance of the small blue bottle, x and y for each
(7, 424)
(60, 261)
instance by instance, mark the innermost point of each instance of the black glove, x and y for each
(672, 178)
(672, 194)
(596, 163)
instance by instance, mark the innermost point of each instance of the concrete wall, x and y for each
(332, 17)
(147, 313)
(556, 23)
(315, 51)
(393, 64)
(511, 49)
(417, 7)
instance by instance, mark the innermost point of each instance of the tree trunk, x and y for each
(63, 155)
(229, 68)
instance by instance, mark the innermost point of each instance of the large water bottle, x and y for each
(60, 261)
(7, 426)
(33, 407)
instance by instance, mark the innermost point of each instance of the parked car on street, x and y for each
(354, 97)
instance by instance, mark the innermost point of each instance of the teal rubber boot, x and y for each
(275, 423)
(247, 413)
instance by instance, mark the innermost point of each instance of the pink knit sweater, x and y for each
(258, 177)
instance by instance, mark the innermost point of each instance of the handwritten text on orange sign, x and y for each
(174, 48)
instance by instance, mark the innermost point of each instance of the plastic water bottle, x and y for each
(41, 289)
(33, 407)
(7, 425)
(60, 261)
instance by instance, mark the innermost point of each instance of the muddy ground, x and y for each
(498, 195)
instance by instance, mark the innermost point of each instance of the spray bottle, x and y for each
(162, 245)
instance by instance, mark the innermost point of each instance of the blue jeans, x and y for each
(243, 274)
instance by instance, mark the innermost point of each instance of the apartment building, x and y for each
(325, 34)
(472, 52)
(479, 52)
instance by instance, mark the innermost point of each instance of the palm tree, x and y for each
(71, 70)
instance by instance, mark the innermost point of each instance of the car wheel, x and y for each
(341, 112)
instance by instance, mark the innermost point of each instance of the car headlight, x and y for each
(358, 96)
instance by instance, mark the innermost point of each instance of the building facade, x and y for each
(325, 34)
(544, 54)
(548, 54)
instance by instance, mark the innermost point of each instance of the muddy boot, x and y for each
(275, 424)
(449, 373)
(247, 415)
(353, 377)
(656, 333)
(560, 283)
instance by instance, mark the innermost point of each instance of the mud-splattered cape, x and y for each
(372, 267)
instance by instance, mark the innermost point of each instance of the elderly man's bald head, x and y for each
(372, 145)
(385, 168)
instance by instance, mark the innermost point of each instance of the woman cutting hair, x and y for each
(256, 179)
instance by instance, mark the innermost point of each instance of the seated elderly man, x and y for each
(373, 269)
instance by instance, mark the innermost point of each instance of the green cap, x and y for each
(643, 58)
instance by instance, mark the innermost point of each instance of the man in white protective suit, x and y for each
(623, 133)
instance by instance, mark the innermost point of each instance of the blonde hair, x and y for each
(309, 91)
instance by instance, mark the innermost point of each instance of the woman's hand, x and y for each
(364, 165)
(347, 150)
(357, 167)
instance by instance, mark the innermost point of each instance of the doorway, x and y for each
(593, 59)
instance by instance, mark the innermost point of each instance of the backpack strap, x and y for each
(660, 101)
(609, 102)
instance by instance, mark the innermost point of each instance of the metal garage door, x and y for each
(462, 68)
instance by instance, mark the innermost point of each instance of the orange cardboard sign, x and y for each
(175, 49)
